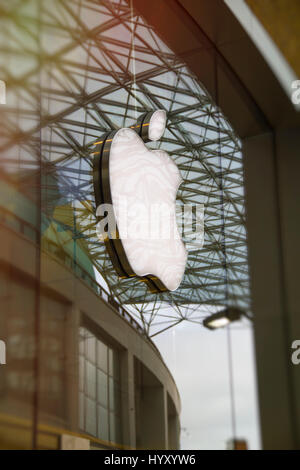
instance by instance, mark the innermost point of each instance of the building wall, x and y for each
(281, 18)
(39, 385)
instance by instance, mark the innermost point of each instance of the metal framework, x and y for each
(76, 69)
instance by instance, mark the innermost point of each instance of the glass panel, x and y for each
(99, 392)
(81, 373)
(91, 347)
(81, 410)
(117, 397)
(118, 430)
(90, 379)
(112, 427)
(196, 130)
(81, 340)
(91, 422)
(114, 395)
(114, 364)
(102, 351)
(102, 423)
(111, 394)
(102, 388)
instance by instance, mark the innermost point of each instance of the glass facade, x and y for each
(100, 388)
(75, 70)
(91, 67)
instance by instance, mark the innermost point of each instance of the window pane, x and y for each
(111, 394)
(117, 397)
(102, 388)
(118, 430)
(90, 379)
(102, 350)
(114, 369)
(81, 345)
(81, 410)
(91, 347)
(91, 422)
(99, 395)
(114, 396)
(81, 340)
(81, 373)
(103, 423)
(112, 427)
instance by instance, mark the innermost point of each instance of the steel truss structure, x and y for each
(76, 69)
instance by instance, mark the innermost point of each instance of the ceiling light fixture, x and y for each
(223, 318)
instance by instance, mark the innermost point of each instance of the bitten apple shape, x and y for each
(143, 184)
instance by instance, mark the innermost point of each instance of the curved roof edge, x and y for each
(204, 34)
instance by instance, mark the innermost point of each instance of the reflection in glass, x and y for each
(102, 394)
(102, 355)
(103, 423)
(91, 379)
(91, 424)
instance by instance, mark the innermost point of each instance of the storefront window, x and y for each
(99, 378)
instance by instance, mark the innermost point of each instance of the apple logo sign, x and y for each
(135, 191)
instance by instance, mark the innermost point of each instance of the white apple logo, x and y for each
(143, 185)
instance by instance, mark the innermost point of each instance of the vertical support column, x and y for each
(166, 420)
(151, 410)
(173, 426)
(272, 192)
(288, 164)
(72, 367)
(173, 432)
(153, 418)
(128, 399)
